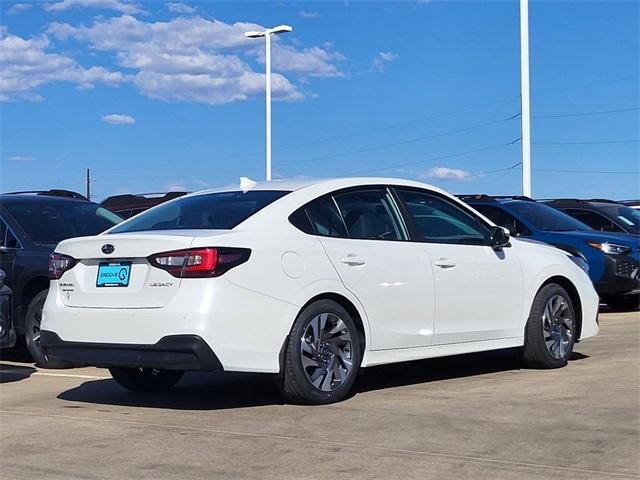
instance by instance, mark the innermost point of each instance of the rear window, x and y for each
(56, 221)
(214, 211)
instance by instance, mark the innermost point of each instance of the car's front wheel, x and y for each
(323, 355)
(551, 329)
(145, 379)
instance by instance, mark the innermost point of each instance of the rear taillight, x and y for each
(200, 262)
(59, 263)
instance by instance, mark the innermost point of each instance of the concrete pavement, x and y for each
(475, 416)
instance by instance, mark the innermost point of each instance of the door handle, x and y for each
(352, 260)
(444, 263)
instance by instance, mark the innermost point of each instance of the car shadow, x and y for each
(219, 391)
(14, 373)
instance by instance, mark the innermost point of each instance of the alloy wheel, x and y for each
(326, 349)
(557, 325)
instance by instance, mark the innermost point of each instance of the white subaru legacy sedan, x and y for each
(310, 281)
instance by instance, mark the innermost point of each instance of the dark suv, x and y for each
(130, 204)
(613, 259)
(31, 225)
(603, 215)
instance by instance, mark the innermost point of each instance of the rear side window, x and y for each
(325, 218)
(7, 238)
(371, 215)
(213, 211)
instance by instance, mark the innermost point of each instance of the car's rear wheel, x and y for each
(32, 324)
(323, 355)
(145, 379)
(551, 329)
(623, 302)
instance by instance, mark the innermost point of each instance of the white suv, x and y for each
(312, 281)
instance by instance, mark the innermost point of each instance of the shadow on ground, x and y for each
(14, 373)
(217, 391)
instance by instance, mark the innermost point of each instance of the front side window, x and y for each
(55, 221)
(438, 220)
(371, 214)
(212, 211)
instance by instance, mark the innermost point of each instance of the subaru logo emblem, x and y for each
(108, 248)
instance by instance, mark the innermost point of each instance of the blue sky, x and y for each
(153, 96)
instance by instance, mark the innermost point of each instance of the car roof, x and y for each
(292, 185)
(596, 202)
(42, 196)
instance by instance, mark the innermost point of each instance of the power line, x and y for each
(351, 152)
(584, 114)
(603, 142)
(433, 159)
(598, 172)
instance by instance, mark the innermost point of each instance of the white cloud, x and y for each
(199, 60)
(20, 158)
(382, 59)
(308, 15)
(446, 173)
(118, 119)
(26, 65)
(180, 8)
(122, 6)
(19, 7)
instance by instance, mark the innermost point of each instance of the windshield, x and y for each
(216, 211)
(626, 216)
(545, 217)
(56, 221)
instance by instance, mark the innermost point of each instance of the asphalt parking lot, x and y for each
(474, 416)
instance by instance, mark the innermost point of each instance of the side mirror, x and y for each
(500, 238)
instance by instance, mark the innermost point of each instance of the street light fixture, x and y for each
(267, 35)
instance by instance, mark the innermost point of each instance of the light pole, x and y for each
(267, 35)
(525, 112)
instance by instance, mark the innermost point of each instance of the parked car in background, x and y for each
(31, 225)
(603, 215)
(7, 332)
(635, 204)
(613, 258)
(311, 281)
(129, 204)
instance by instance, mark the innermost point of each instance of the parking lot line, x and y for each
(24, 371)
(332, 443)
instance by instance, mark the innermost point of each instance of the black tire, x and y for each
(296, 384)
(537, 353)
(32, 334)
(145, 379)
(623, 302)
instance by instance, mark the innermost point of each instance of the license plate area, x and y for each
(113, 274)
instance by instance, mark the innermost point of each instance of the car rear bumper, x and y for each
(173, 352)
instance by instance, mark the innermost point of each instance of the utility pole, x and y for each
(88, 184)
(525, 112)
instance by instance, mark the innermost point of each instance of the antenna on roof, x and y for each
(246, 184)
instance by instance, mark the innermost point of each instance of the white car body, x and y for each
(415, 300)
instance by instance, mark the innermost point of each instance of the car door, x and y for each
(366, 240)
(479, 290)
(9, 248)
